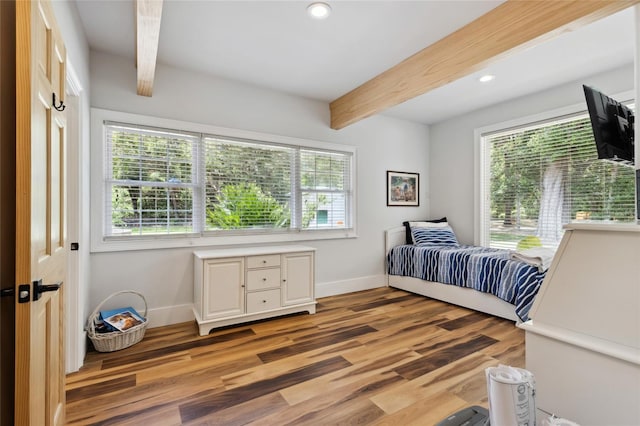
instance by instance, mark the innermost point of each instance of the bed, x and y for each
(462, 272)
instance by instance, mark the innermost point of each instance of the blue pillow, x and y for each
(407, 227)
(434, 236)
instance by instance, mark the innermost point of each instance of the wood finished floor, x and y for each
(378, 357)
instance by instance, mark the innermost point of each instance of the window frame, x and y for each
(481, 154)
(100, 242)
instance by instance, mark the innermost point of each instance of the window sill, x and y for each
(167, 242)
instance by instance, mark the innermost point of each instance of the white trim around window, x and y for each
(101, 242)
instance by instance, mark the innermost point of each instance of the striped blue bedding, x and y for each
(481, 268)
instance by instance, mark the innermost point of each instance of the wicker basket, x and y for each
(116, 340)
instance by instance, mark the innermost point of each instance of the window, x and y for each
(247, 185)
(150, 179)
(161, 182)
(324, 177)
(541, 176)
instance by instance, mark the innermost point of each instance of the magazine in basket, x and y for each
(121, 319)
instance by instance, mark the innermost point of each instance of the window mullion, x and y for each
(198, 170)
(296, 192)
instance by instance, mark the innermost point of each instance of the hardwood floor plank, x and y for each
(346, 378)
(229, 352)
(277, 368)
(501, 330)
(510, 349)
(107, 386)
(439, 380)
(321, 400)
(131, 358)
(406, 335)
(140, 400)
(315, 342)
(357, 297)
(473, 388)
(425, 411)
(443, 357)
(381, 356)
(244, 413)
(201, 367)
(428, 312)
(158, 415)
(356, 412)
(465, 321)
(384, 301)
(351, 320)
(435, 342)
(207, 403)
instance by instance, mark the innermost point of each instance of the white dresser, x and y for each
(237, 285)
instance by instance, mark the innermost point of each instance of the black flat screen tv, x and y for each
(612, 124)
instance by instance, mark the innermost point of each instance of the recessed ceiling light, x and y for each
(319, 10)
(486, 78)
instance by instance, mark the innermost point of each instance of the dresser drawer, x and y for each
(260, 279)
(264, 261)
(263, 301)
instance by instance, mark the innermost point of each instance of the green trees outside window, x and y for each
(168, 182)
(544, 176)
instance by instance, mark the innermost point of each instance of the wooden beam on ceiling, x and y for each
(511, 27)
(148, 14)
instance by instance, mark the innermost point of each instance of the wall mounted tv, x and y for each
(612, 125)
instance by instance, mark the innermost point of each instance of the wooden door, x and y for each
(40, 216)
(7, 207)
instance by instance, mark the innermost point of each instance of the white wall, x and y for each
(165, 276)
(451, 159)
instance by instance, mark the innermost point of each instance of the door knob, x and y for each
(39, 288)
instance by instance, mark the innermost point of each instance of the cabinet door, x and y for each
(297, 278)
(223, 288)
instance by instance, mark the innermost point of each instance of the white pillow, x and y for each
(428, 224)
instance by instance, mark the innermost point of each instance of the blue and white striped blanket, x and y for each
(484, 269)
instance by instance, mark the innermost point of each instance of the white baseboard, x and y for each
(168, 315)
(349, 286)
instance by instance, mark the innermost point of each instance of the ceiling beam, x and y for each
(509, 28)
(148, 14)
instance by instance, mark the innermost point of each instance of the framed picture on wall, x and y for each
(403, 189)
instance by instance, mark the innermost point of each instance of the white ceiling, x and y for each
(274, 44)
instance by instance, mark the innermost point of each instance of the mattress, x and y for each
(484, 269)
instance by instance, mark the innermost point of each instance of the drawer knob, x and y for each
(264, 279)
(264, 261)
(264, 301)
(284, 281)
